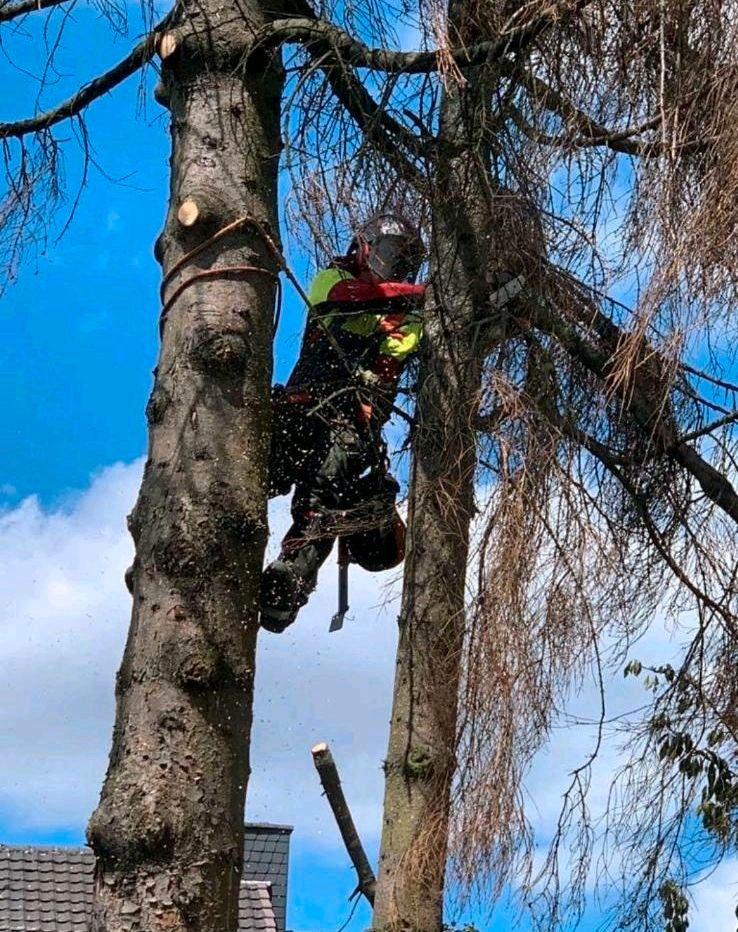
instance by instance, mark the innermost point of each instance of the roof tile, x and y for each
(50, 889)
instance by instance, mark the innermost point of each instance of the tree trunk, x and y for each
(168, 831)
(421, 758)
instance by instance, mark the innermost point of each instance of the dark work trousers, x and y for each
(322, 448)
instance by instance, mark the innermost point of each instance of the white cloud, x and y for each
(63, 623)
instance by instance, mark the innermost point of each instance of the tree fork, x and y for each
(168, 831)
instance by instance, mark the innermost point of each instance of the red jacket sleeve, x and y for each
(353, 289)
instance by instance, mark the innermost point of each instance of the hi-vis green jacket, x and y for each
(377, 325)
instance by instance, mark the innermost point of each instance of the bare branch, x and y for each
(90, 92)
(617, 140)
(10, 11)
(356, 53)
(387, 134)
(644, 408)
(729, 418)
(592, 132)
(601, 452)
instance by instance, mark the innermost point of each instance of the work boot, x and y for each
(281, 596)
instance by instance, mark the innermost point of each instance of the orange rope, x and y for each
(224, 231)
(212, 273)
(209, 273)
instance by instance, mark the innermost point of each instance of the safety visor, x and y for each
(395, 257)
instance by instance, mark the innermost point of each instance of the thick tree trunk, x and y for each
(168, 831)
(421, 757)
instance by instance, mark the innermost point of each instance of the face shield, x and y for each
(390, 248)
(395, 258)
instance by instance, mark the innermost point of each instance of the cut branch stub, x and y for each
(203, 209)
(189, 212)
(169, 44)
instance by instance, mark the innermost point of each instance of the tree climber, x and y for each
(362, 326)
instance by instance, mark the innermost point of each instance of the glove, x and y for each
(369, 379)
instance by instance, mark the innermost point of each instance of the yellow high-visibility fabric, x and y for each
(399, 344)
(321, 285)
(403, 341)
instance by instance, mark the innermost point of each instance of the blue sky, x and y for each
(78, 340)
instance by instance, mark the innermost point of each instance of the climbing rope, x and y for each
(241, 270)
(168, 302)
(222, 271)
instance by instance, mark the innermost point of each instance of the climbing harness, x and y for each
(307, 396)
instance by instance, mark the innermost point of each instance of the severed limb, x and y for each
(331, 783)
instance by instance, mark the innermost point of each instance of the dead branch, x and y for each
(618, 140)
(602, 453)
(388, 135)
(323, 43)
(730, 418)
(331, 783)
(592, 132)
(644, 408)
(74, 105)
(10, 11)
(354, 52)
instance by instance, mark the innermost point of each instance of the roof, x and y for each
(266, 857)
(45, 889)
(255, 910)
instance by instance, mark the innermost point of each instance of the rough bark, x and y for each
(168, 831)
(421, 757)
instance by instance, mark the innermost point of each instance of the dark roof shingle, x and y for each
(46, 889)
(266, 857)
